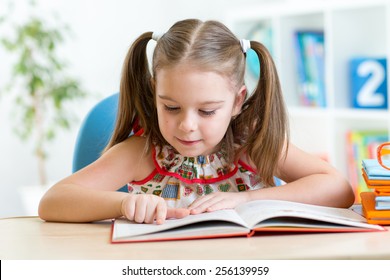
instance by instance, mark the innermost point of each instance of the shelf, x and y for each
(299, 111)
(362, 114)
(352, 28)
(337, 114)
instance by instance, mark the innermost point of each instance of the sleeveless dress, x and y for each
(180, 180)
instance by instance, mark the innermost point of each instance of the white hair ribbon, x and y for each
(245, 45)
(156, 36)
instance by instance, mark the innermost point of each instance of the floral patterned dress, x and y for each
(180, 180)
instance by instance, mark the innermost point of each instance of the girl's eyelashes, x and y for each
(207, 113)
(202, 112)
(171, 108)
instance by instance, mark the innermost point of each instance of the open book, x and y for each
(246, 220)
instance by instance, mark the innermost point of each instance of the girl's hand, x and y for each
(218, 201)
(147, 208)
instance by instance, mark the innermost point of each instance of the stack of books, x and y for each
(361, 145)
(376, 203)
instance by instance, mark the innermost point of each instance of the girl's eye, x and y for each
(207, 113)
(171, 109)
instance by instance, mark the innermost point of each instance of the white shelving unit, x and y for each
(351, 28)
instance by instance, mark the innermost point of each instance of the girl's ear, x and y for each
(240, 98)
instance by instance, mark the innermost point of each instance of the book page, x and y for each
(193, 231)
(255, 212)
(126, 228)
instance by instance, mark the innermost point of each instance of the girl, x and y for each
(201, 142)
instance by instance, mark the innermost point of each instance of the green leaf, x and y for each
(40, 83)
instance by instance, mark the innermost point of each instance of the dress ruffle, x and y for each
(201, 169)
(181, 180)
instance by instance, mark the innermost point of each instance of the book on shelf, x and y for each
(361, 144)
(260, 32)
(246, 220)
(310, 57)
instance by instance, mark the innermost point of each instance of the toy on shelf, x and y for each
(368, 78)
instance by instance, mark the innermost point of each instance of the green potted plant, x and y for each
(39, 84)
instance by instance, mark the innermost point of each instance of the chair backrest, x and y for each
(95, 132)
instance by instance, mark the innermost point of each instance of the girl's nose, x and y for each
(187, 123)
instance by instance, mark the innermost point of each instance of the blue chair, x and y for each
(95, 132)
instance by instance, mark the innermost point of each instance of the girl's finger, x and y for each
(199, 201)
(177, 213)
(161, 212)
(207, 206)
(140, 209)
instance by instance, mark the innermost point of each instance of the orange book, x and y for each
(373, 216)
(246, 220)
(373, 184)
(379, 192)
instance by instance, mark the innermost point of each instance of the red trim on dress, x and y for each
(147, 179)
(159, 170)
(247, 166)
(196, 180)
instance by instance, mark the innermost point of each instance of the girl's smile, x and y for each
(189, 143)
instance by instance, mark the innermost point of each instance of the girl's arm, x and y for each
(308, 180)
(90, 194)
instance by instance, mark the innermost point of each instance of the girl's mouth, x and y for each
(188, 143)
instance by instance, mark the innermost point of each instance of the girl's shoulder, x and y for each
(134, 145)
(135, 141)
(135, 155)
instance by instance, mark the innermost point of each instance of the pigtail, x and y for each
(136, 104)
(267, 129)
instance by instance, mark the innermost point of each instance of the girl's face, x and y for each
(195, 108)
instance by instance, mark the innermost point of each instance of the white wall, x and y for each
(102, 33)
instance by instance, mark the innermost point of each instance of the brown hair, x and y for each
(261, 128)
